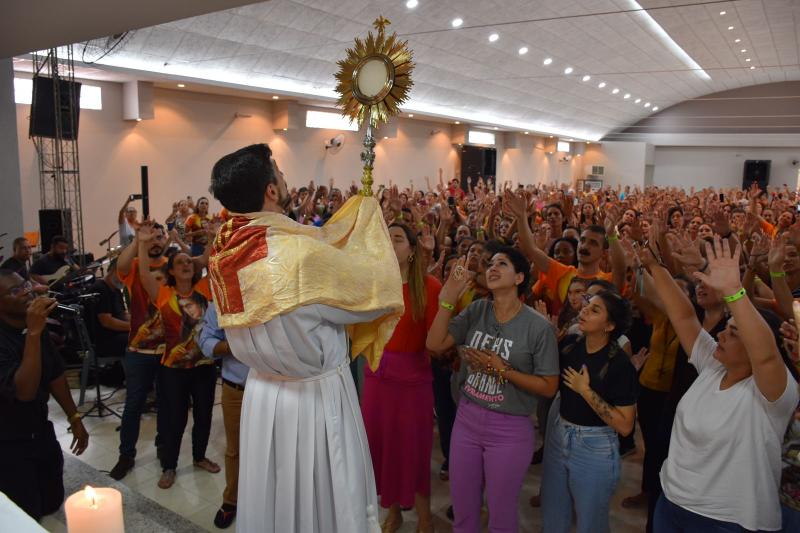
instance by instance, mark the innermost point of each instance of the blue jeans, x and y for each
(140, 371)
(791, 519)
(580, 471)
(671, 518)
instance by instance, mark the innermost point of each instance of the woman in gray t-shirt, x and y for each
(510, 355)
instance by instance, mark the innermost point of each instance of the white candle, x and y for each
(94, 511)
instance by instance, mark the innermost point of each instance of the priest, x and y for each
(295, 301)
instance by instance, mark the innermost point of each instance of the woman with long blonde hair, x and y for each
(397, 399)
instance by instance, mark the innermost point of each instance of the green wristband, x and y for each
(448, 306)
(736, 296)
(613, 238)
(777, 274)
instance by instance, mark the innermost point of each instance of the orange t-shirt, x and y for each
(182, 316)
(409, 336)
(147, 333)
(196, 223)
(554, 284)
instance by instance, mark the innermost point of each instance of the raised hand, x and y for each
(720, 224)
(790, 339)
(685, 251)
(723, 267)
(426, 240)
(613, 214)
(458, 280)
(516, 205)
(541, 235)
(640, 358)
(146, 231)
(777, 253)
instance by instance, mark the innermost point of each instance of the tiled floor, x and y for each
(197, 494)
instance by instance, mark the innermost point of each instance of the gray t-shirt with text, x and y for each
(527, 342)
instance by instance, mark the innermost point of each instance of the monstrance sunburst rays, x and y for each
(388, 58)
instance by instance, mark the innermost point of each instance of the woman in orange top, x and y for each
(184, 372)
(397, 399)
(196, 226)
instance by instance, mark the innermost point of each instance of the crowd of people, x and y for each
(542, 324)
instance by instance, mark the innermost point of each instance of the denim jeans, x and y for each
(671, 518)
(444, 405)
(140, 371)
(580, 471)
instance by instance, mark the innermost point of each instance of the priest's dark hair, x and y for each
(239, 179)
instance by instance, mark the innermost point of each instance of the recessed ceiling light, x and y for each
(601, 84)
(730, 28)
(551, 153)
(615, 91)
(527, 132)
(411, 4)
(385, 137)
(637, 100)
(722, 12)
(547, 60)
(138, 120)
(586, 78)
(737, 40)
(457, 22)
(747, 60)
(411, 115)
(275, 97)
(587, 142)
(493, 37)
(568, 70)
(753, 67)
(496, 128)
(551, 136)
(522, 51)
(457, 122)
(743, 50)
(655, 108)
(627, 95)
(181, 85)
(647, 104)
(285, 129)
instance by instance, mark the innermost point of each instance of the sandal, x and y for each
(208, 465)
(167, 479)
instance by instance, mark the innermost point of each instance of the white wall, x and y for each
(624, 162)
(10, 194)
(720, 167)
(190, 132)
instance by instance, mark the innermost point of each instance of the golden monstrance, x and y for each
(373, 82)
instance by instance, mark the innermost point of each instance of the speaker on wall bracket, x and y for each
(45, 110)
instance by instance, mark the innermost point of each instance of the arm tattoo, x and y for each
(600, 406)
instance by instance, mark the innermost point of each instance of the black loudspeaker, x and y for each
(44, 108)
(756, 171)
(477, 162)
(54, 222)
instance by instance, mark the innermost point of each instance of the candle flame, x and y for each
(90, 495)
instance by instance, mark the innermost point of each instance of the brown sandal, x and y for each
(208, 465)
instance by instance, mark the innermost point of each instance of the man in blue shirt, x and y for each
(234, 375)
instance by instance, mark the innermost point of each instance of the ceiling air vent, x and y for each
(597, 170)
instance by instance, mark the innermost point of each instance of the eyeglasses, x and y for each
(21, 289)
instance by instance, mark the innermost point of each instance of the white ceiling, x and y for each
(291, 46)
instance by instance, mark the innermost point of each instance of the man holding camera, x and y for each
(31, 462)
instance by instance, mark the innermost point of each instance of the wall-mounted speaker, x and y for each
(45, 108)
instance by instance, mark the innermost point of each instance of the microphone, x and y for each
(104, 241)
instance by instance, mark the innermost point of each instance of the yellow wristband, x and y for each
(74, 417)
(448, 306)
(613, 238)
(737, 296)
(777, 274)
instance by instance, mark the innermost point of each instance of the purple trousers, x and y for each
(492, 450)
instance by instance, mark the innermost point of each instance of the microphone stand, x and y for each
(107, 242)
